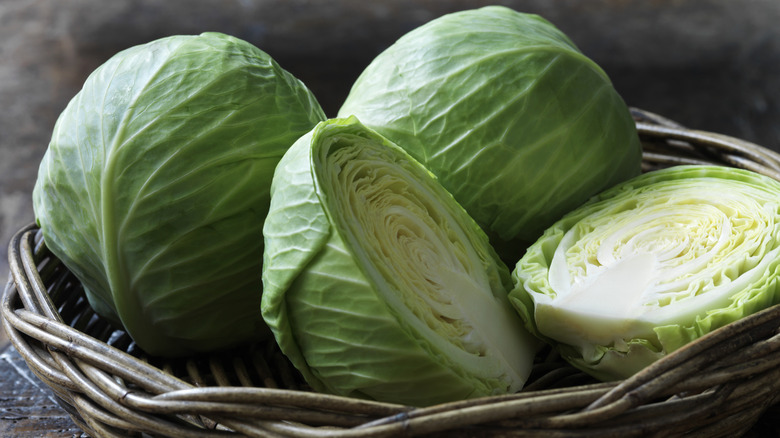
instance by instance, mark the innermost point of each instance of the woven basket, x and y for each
(716, 386)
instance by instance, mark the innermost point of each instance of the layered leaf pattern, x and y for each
(650, 265)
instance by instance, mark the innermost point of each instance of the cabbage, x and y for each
(653, 264)
(155, 186)
(377, 284)
(515, 121)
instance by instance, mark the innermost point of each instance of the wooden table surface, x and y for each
(28, 408)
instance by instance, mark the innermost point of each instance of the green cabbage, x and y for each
(650, 265)
(377, 284)
(515, 121)
(155, 186)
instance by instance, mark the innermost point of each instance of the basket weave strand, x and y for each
(718, 385)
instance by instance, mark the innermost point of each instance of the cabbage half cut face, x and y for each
(378, 284)
(651, 265)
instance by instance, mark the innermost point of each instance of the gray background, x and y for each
(709, 64)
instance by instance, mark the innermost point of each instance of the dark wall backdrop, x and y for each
(709, 64)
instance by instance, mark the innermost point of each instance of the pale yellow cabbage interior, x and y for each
(660, 255)
(424, 258)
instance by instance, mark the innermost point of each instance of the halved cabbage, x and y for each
(377, 284)
(652, 264)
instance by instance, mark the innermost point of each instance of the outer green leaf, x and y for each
(515, 121)
(156, 184)
(377, 284)
(650, 265)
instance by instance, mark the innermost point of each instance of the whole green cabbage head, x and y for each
(377, 284)
(155, 186)
(516, 122)
(651, 265)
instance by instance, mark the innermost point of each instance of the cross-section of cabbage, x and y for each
(651, 265)
(377, 284)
